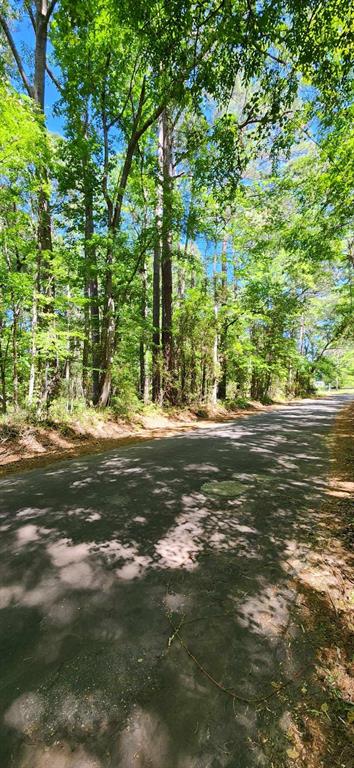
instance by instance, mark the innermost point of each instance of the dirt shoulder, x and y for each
(321, 722)
(25, 446)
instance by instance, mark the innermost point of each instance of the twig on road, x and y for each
(233, 694)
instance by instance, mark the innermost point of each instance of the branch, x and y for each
(141, 101)
(150, 120)
(53, 78)
(31, 15)
(50, 9)
(231, 322)
(137, 133)
(250, 119)
(230, 692)
(252, 19)
(180, 174)
(106, 195)
(174, 84)
(131, 148)
(338, 332)
(106, 127)
(136, 267)
(17, 57)
(130, 90)
(272, 56)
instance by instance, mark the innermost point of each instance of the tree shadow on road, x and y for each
(99, 555)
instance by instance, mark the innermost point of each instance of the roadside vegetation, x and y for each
(319, 724)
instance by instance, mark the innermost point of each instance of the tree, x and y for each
(40, 14)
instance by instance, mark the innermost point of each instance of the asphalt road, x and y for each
(100, 554)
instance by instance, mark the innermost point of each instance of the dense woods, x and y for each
(176, 201)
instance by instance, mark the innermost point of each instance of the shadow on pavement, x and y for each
(97, 553)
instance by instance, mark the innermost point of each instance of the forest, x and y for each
(176, 202)
(176, 383)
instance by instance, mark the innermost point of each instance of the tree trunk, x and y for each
(95, 333)
(156, 333)
(235, 278)
(3, 370)
(144, 379)
(222, 384)
(3, 385)
(40, 54)
(193, 372)
(302, 336)
(40, 57)
(44, 231)
(214, 389)
(34, 324)
(15, 356)
(91, 351)
(165, 155)
(108, 337)
(156, 290)
(114, 216)
(86, 344)
(203, 384)
(183, 394)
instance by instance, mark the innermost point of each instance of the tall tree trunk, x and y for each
(156, 287)
(44, 231)
(34, 326)
(67, 364)
(114, 216)
(235, 278)
(15, 356)
(183, 366)
(95, 333)
(193, 371)
(156, 333)
(214, 385)
(3, 355)
(91, 351)
(3, 385)
(40, 54)
(302, 335)
(144, 379)
(255, 376)
(108, 335)
(222, 384)
(165, 154)
(44, 215)
(181, 359)
(204, 376)
(86, 344)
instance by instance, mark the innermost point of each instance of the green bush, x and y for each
(237, 402)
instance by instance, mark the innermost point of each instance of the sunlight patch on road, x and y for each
(144, 741)
(58, 756)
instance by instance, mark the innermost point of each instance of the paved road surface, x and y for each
(97, 552)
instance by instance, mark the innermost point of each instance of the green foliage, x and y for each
(256, 206)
